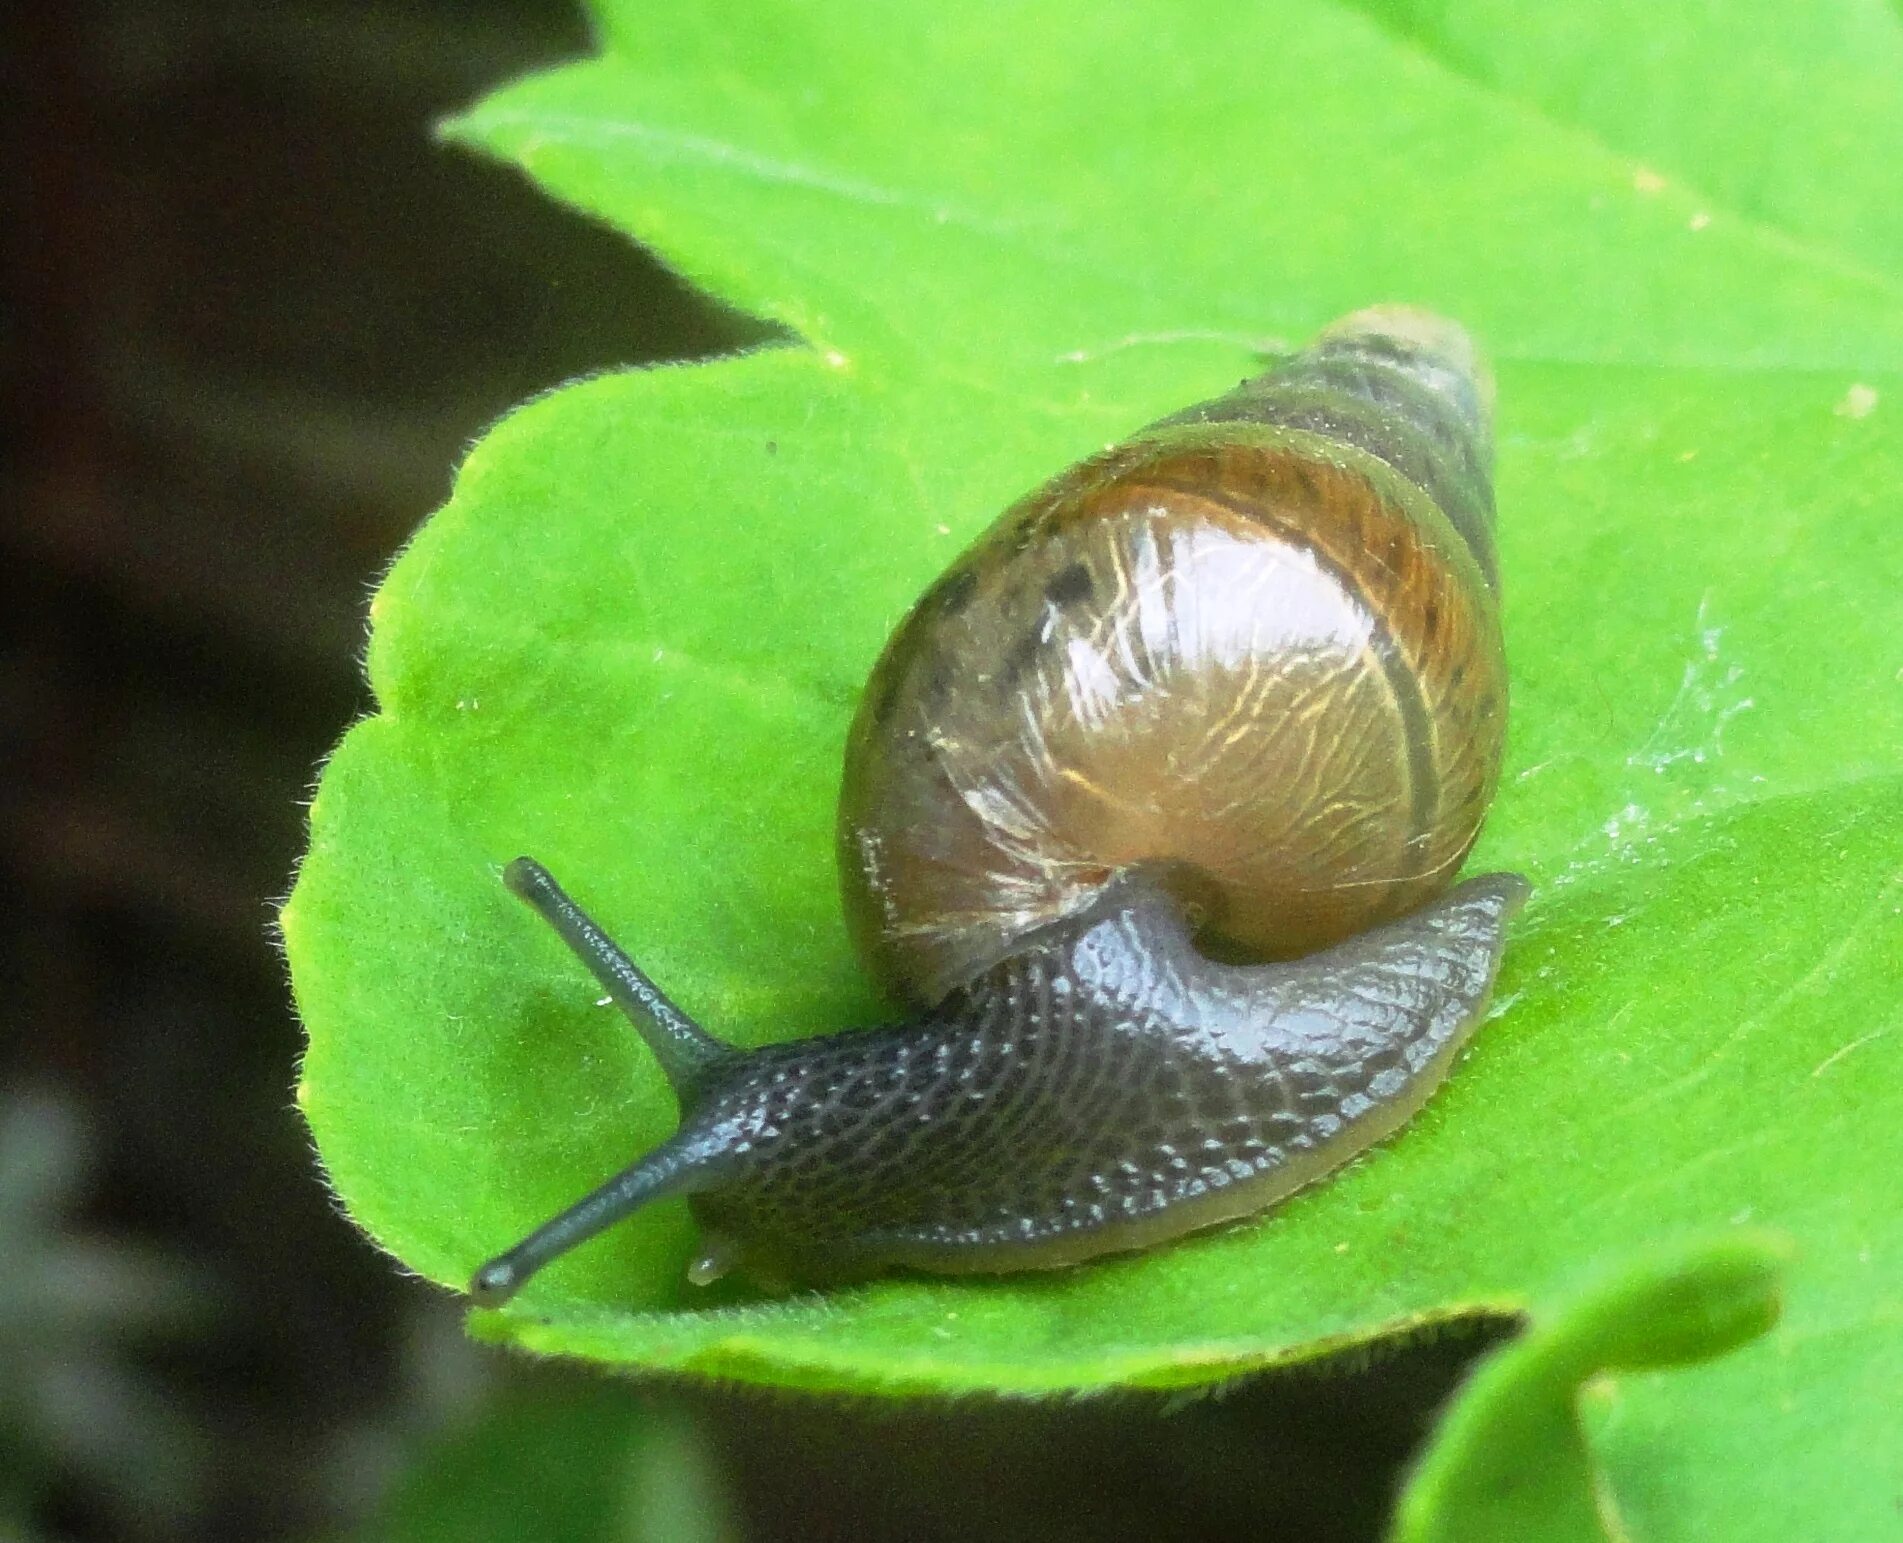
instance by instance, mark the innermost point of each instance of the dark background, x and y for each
(253, 317)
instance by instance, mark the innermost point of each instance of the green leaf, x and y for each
(1790, 117)
(630, 644)
(1510, 1460)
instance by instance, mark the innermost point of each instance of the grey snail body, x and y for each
(1149, 817)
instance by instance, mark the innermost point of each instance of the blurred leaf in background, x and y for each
(631, 642)
(576, 1464)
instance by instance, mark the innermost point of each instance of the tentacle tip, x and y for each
(495, 1283)
(525, 876)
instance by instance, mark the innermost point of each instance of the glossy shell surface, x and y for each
(1257, 645)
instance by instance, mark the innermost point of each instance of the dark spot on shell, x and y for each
(1019, 661)
(938, 682)
(884, 697)
(955, 590)
(1070, 585)
(1460, 674)
(1431, 619)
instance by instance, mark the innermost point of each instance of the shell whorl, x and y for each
(1256, 647)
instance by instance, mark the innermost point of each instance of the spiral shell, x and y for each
(1256, 646)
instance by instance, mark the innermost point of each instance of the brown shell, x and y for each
(1257, 647)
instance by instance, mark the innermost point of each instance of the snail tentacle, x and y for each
(677, 1166)
(686, 1051)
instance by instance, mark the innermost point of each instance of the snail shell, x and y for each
(1257, 645)
(1146, 811)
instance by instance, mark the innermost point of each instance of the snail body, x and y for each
(1149, 815)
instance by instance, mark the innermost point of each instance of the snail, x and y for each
(1150, 812)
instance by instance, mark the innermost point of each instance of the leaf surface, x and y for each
(631, 642)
